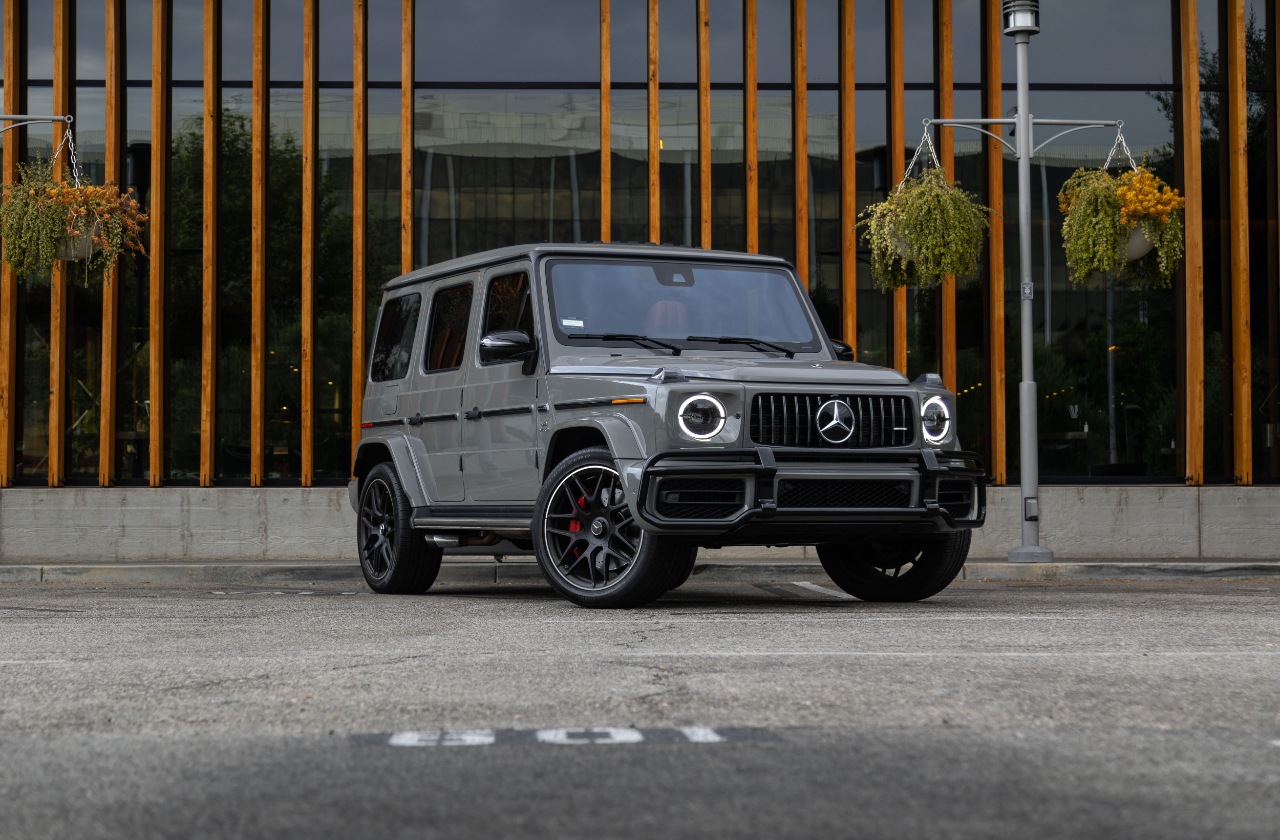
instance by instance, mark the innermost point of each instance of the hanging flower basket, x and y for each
(44, 220)
(926, 229)
(1129, 226)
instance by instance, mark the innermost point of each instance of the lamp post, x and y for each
(1021, 19)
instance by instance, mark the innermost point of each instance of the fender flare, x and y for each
(623, 439)
(402, 461)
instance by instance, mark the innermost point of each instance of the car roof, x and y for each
(451, 268)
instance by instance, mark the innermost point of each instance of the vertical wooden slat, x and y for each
(1192, 176)
(58, 302)
(606, 124)
(704, 121)
(655, 143)
(1237, 138)
(114, 153)
(158, 221)
(310, 148)
(1272, 412)
(992, 108)
(13, 64)
(406, 135)
(897, 162)
(800, 135)
(944, 107)
(848, 173)
(258, 245)
(360, 209)
(209, 238)
(750, 126)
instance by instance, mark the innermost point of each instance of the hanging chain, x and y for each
(69, 143)
(925, 141)
(1120, 145)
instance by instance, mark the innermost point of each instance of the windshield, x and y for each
(681, 305)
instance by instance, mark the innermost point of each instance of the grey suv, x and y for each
(614, 407)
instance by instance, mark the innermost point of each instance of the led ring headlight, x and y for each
(935, 420)
(701, 417)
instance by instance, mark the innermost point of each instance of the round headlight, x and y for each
(702, 417)
(935, 418)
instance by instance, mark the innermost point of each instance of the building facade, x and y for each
(296, 154)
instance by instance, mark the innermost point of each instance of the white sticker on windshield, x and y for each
(575, 323)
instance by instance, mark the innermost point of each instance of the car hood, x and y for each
(794, 371)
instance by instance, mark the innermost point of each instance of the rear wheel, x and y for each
(896, 568)
(590, 548)
(394, 558)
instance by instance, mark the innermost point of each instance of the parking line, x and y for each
(565, 737)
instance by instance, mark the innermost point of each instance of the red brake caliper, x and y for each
(576, 526)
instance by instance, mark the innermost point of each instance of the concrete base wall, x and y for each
(68, 525)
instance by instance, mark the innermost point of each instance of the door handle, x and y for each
(416, 420)
(473, 414)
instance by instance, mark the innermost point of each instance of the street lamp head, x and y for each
(1021, 16)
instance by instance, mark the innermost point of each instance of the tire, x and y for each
(896, 569)
(395, 559)
(589, 547)
(685, 569)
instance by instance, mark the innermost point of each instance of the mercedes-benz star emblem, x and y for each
(835, 421)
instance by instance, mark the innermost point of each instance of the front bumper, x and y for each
(766, 496)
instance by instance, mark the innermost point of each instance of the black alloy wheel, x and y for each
(896, 568)
(589, 529)
(589, 546)
(393, 557)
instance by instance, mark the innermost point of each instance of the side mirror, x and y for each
(844, 352)
(508, 345)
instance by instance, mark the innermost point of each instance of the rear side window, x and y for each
(450, 314)
(510, 305)
(394, 347)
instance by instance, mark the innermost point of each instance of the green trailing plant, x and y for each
(1103, 213)
(43, 220)
(926, 229)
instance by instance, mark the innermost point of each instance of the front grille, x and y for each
(791, 420)
(701, 498)
(955, 496)
(806, 493)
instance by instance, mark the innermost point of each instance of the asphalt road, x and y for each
(997, 709)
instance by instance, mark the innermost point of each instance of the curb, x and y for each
(528, 573)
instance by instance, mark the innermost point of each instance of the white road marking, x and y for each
(461, 738)
(802, 619)
(1275, 743)
(813, 587)
(700, 734)
(956, 655)
(594, 735)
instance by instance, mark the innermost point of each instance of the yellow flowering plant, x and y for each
(44, 220)
(1103, 213)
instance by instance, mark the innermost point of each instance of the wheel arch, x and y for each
(393, 451)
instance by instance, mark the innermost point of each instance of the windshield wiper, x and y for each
(752, 342)
(638, 339)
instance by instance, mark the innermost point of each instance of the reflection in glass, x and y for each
(184, 292)
(133, 334)
(679, 171)
(630, 162)
(382, 249)
(235, 303)
(824, 209)
(497, 168)
(332, 384)
(283, 398)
